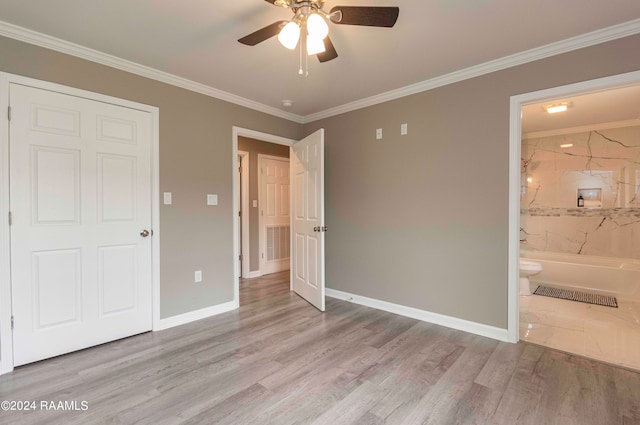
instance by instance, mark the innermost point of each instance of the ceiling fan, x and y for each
(309, 15)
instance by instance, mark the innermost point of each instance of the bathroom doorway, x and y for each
(575, 216)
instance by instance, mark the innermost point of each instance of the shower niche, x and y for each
(590, 198)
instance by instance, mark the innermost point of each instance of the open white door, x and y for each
(307, 220)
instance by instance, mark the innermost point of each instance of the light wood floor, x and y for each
(279, 361)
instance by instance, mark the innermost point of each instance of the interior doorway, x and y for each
(516, 181)
(247, 205)
(263, 188)
(307, 234)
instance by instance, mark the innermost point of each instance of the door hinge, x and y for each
(239, 213)
(240, 170)
(11, 322)
(10, 219)
(240, 257)
(9, 113)
(263, 255)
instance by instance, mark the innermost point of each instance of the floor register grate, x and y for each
(583, 297)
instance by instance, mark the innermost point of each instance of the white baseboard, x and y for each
(426, 316)
(192, 316)
(252, 274)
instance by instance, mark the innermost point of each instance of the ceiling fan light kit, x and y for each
(310, 17)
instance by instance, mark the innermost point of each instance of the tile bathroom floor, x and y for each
(611, 335)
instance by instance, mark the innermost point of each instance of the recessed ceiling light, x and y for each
(558, 107)
(567, 145)
(287, 103)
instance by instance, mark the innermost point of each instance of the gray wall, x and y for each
(195, 156)
(255, 147)
(421, 220)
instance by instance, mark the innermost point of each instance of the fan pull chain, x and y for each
(303, 52)
(300, 72)
(306, 64)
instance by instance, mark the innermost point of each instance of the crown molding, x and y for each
(581, 129)
(32, 37)
(574, 43)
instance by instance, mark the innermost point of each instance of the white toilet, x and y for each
(527, 268)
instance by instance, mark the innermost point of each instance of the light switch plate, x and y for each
(378, 133)
(403, 129)
(198, 276)
(167, 198)
(212, 199)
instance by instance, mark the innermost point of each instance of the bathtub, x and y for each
(607, 276)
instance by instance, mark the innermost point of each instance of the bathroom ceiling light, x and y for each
(558, 107)
(566, 145)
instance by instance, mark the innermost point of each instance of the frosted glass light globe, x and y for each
(315, 45)
(289, 35)
(317, 26)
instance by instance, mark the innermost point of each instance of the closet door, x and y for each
(80, 196)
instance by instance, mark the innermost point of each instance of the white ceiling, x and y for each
(196, 40)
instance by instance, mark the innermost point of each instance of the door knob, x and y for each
(144, 233)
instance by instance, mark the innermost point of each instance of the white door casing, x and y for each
(238, 259)
(308, 229)
(80, 195)
(275, 223)
(243, 217)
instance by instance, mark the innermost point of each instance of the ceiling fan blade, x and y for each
(372, 16)
(262, 34)
(329, 52)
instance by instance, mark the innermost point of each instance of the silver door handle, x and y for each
(144, 233)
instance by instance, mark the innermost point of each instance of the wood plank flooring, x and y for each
(277, 360)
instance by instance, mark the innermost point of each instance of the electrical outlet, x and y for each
(378, 133)
(198, 276)
(212, 199)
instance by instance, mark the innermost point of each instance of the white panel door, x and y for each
(80, 195)
(275, 225)
(307, 176)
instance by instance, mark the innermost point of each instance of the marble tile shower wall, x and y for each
(609, 223)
